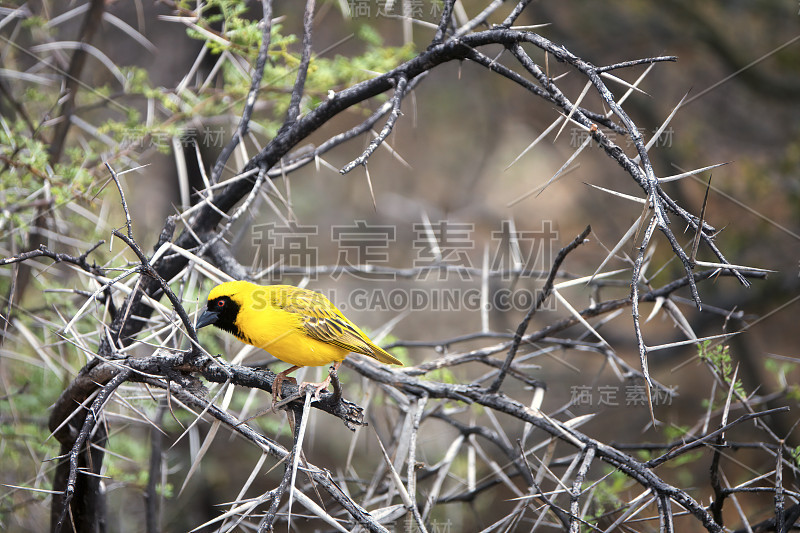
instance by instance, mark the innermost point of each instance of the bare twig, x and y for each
(780, 519)
(150, 271)
(444, 21)
(43, 251)
(128, 223)
(546, 289)
(479, 19)
(633, 63)
(295, 163)
(72, 78)
(277, 493)
(397, 98)
(302, 71)
(701, 441)
(78, 447)
(514, 15)
(255, 84)
(699, 231)
(637, 270)
(577, 489)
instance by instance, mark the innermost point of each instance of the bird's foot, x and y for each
(317, 387)
(277, 385)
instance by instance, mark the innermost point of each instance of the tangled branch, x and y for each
(415, 397)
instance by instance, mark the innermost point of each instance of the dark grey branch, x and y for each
(444, 21)
(397, 98)
(255, 84)
(543, 295)
(78, 447)
(302, 71)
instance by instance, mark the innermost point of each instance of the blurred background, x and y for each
(449, 174)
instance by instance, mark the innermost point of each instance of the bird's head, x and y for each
(224, 302)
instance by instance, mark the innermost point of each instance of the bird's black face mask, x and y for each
(220, 312)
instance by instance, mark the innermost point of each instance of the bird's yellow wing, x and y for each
(322, 321)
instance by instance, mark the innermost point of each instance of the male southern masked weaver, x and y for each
(298, 326)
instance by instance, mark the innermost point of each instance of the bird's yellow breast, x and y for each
(281, 332)
(296, 325)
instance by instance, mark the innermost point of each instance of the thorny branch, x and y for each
(170, 363)
(128, 223)
(300, 160)
(546, 289)
(577, 489)
(255, 84)
(89, 422)
(399, 93)
(79, 261)
(321, 477)
(302, 71)
(503, 404)
(176, 372)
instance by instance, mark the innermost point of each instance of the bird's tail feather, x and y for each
(383, 356)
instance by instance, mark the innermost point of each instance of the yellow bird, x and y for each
(298, 326)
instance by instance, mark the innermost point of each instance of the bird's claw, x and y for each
(277, 387)
(317, 387)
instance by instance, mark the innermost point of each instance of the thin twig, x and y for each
(397, 99)
(479, 19)
(295, 163)
(705, 438)
(577, 489)
(128, 223)
(302, 71)
(515, 13)
(635, 62)
(91, 23)
(255, 84)
(177, 305)
(88, 425)
(444, 21)
(545, 292)
(780, 519)
(43, 251)
(637, 270)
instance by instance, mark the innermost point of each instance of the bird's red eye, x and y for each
(221, 303)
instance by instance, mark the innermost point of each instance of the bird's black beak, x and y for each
(207, 318)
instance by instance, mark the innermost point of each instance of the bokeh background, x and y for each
(738, 66)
